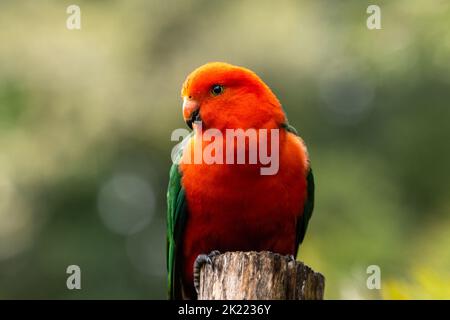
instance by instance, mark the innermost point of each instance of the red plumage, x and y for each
(232, 207)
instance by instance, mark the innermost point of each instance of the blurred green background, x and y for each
(86, 117)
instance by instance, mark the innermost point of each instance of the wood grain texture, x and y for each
(259, 276)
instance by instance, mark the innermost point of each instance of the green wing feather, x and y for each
(176, 218)
(302, 224)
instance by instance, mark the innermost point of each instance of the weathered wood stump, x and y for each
(259, 276)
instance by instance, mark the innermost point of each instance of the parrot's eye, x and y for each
(216, 89)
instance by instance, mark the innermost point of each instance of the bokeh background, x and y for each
(86, 117)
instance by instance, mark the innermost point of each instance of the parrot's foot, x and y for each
(201, 260)
(291, 257)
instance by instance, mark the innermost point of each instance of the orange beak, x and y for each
(191, 111)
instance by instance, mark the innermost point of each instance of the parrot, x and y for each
(221, 207)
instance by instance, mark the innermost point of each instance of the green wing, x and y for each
(302, 224)
(176, 218)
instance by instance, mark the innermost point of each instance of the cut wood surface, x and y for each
(259, 276)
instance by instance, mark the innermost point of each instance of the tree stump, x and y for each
(259, 276)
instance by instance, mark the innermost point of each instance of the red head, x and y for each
(224, 96)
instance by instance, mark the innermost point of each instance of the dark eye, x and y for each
(216, 89)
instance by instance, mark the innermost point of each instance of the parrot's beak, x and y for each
(191, 111)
